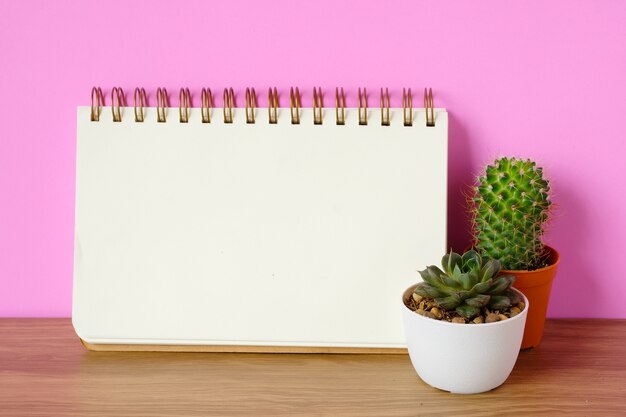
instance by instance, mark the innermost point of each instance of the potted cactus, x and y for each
(510, 205)
(464, 324)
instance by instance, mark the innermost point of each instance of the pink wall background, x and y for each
(543, 79)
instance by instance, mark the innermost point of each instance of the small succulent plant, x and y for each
(467, 283)
(510, 206)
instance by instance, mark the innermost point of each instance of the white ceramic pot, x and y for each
(462, 358)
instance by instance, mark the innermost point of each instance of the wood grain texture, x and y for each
(580, 369)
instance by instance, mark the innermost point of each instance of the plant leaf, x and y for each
(471, 260)
(490, 270)
(465, 280)
(448, 303)
(456, 271)
(467, 311)
(461, 295)
(473, 278)
(449, 282)
(502, 283)
(449, 261)
(426, 290)
(431, 275)
(513, 296)
(499, 302)
(481, 287)
(480, 300)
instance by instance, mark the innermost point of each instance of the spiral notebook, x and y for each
(282, 229)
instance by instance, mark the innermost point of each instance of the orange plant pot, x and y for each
(536, 286)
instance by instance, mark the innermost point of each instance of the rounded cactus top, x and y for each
(510, 206)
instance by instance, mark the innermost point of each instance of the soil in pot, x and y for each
(428, 308)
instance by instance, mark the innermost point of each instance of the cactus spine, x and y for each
(510, 206)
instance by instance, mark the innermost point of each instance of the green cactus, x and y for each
(467, 284)
(510, 206)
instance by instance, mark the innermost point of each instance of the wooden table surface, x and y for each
(580, 369)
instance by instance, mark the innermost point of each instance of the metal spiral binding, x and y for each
(272, 106)
(318, 105)
(184, 102)
(385, 119)
(206, 99)
(294, 103)
(229, 102)
(140, 101)
(250, 104)
(407, 107)
(163, 102)
(340, 101)
(117, 102)
(97, 101)
(363, 107)
(428, 105)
